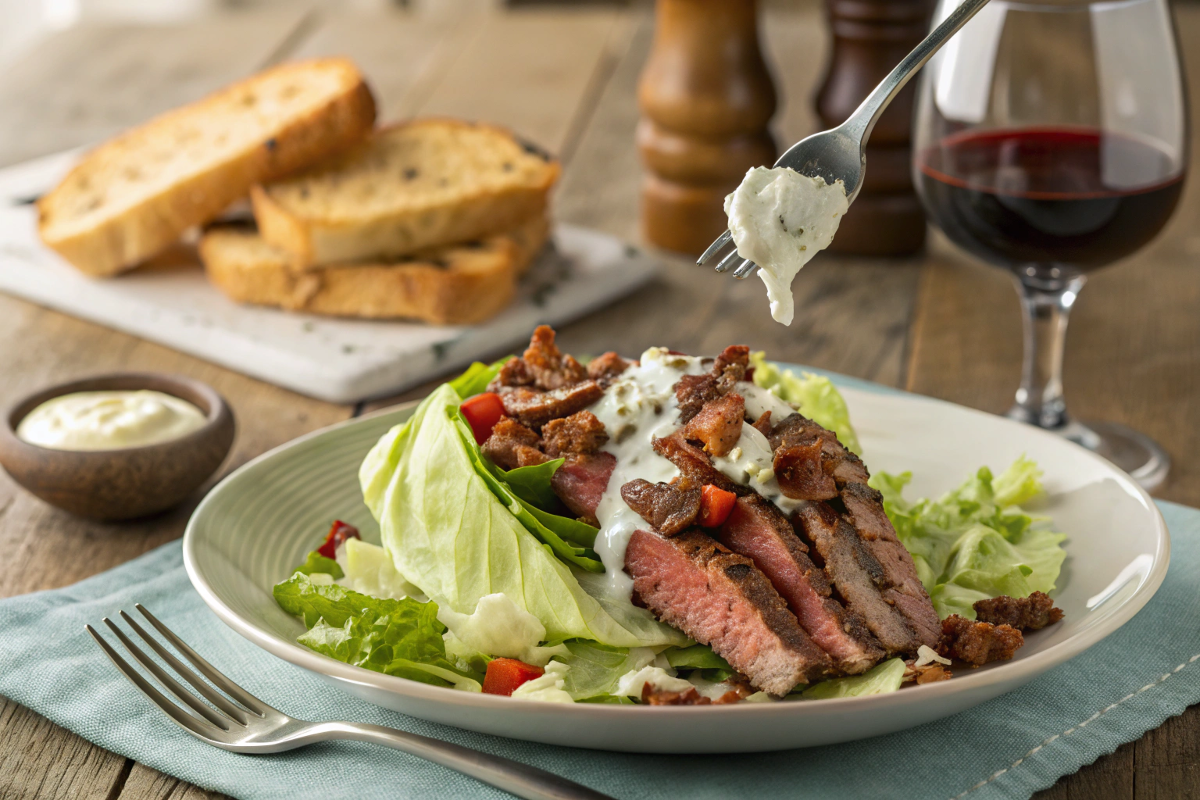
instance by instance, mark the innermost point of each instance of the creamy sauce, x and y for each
(638, 407)
(759, 400)
(780, 219)
(751, 463)
(109, 420)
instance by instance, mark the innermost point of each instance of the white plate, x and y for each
(260, 521)
(339, 360)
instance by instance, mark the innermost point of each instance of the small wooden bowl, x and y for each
(127, 482)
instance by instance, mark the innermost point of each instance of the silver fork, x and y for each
(248, 725)
(840, 153)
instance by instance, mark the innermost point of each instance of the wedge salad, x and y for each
(671, 530)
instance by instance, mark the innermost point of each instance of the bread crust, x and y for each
(314, 241)
(134, 231)
(453, 285)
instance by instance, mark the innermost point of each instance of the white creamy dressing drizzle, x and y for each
(636, 408)
(780, 219)
(641, 406)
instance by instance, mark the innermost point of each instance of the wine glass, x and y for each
(1051, 140)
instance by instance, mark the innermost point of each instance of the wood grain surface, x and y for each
(565, 77)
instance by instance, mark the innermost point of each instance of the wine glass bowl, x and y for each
(1051, 141)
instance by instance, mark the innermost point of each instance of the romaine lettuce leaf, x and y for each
(815, 395)
(975, 542)
(449, 533)
(880, 679)
(300, 596)
(319, 563)
(476, 378)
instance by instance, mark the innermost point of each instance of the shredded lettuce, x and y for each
(975, 542)
(815, 396)
(449, 532)
(881, 679)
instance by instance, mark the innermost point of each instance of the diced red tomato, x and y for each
(338, 533)
(482, 412)
(715, 505)
(506, 674)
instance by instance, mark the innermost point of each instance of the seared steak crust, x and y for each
(671, 509)
(977, 643)
(718, 425)
(534, 408)
(512, 445)
(1030, 613)
(694, 465)
(721, 599)
(581, 433)
(756, 529)
(800, 473)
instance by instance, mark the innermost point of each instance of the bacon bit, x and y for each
(715, 506)
(654, 696)
(482, 412)
(504, 675)
(763, 424)
(338, 533)
(927, 674)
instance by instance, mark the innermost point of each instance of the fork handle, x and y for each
(503, 773)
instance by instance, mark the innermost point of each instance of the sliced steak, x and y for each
(604, 369)
(535, 408)
(800, 474)
(1030, 613)
(694, 465)
(757, 530)
(671, 509)
(581, 433)
(580, 482)
(721, 599)
(718, 425)
(864, 507)
(840, 463)
(857, 576)
(512, 445)
(977, 643)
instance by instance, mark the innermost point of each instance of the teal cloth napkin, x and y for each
(1010, 747)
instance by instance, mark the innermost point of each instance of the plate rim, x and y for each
(1017, 672)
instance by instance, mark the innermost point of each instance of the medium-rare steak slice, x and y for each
(534, 408)
(864, 507)
(721, 599)
(757, 530)
(580, 482)
(694, 465)
(718, 425)
(857, 576)
(671, 509)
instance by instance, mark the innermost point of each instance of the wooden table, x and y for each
(940, 324)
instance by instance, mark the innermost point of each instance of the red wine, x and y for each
(1051, 196)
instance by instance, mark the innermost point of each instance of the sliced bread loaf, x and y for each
(456, 284)
(421, 184)
(133, 196)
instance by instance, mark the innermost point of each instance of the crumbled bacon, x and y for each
(798, 467)
(512, 445)
(581, 433)
(1030, 613)
(763, 424)
(928, 673)
(670, 508)
(977, 643)
(718, 425)
(606, 367)
(730, 367)
(551, 369)
(535, 408)
(652, 695)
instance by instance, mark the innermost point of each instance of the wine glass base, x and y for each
(1135, 453)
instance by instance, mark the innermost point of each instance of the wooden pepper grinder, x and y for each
(869, 39)
(706, 98)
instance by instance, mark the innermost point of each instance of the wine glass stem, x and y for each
(1046, 306)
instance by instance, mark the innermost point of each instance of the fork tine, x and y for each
(745, 270)
(181, 669)
(166, 681)
(728, 261)
(185, 720)
(248, 701)
(716, 247)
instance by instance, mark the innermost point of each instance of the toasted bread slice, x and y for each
(455, 284)
(413, 186)
(133, 196)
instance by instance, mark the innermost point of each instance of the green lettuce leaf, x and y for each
(319, 563)
(595, 669)
(698, 656)
(975, 542)
(476, 378)
(531, 484)
(815, 396)
(301, 597)
(880, 679)
(450, 534)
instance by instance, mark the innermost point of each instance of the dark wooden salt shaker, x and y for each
(869, 38)
(706, 98)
